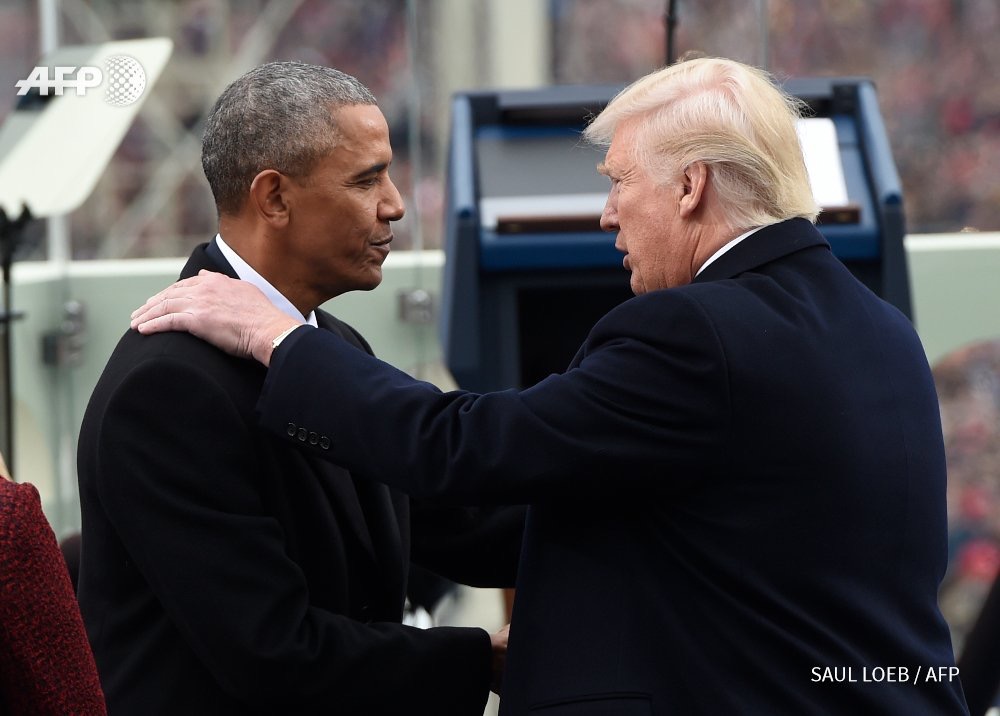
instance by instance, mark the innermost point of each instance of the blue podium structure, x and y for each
(528, 271)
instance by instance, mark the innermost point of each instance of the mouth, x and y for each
(383, 242)
(626, 263)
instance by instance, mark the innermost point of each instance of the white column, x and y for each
(57, 227)
(519, 43)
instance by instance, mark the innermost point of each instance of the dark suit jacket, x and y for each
(224, 572)
(738, 484)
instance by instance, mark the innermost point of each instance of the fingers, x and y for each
(174, 290)
(162, 321)
(145, 308)
(177, 298)
(228, 313)
(498, 641)
(161, 313)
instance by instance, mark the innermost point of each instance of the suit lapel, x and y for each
(768, 244)
(209, 257)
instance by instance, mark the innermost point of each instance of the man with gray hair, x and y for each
(224, 571)
(737, 488)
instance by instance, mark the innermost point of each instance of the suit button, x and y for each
(313, 438)
(324, 442)
(290, 430)
(301, 434)
(366, 613)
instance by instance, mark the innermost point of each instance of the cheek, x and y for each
(657, 257)
(646, 236)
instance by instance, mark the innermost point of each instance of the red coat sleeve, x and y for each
(46, 666)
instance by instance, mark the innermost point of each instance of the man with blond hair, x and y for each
(737, 487)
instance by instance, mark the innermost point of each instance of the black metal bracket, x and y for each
(11, 234)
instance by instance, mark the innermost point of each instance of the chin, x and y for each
(368, 278)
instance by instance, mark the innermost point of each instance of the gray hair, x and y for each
(276, 116)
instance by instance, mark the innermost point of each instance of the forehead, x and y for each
(360, 121)
(360, 142)
(621, 153)
(361, 130)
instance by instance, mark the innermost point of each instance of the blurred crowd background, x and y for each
(933, 61)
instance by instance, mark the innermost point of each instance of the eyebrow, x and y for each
(602, 168)
(373, 169)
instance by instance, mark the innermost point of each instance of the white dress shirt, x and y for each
(726, 248)
(247, 273)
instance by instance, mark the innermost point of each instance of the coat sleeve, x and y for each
(46, 666)
(644, 407)
(479, 547)
(179, 482)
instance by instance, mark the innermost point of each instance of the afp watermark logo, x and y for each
(123, 77)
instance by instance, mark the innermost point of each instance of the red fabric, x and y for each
(46, 666)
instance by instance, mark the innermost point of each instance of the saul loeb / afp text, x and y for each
(883, 674)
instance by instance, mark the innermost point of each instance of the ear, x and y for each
(267, 197)
(694, 181)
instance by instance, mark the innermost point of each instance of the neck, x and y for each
(710, 239)
(258, 249)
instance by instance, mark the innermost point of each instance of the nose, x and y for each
(609, 217)
(609, 220)
(391, 207)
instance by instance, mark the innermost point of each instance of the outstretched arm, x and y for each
(640, 411)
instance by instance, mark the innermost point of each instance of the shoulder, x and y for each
(177, 345)
(343, 329)
(152, 380)
(23, 526)
(19, 503)
(664, 301)
(173, 356)
(667, 315)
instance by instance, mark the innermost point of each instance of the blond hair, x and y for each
(734, 119)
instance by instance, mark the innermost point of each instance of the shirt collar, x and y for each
(247, 273)
(726, 248)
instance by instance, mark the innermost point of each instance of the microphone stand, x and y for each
(10, 235)
(670, 20)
